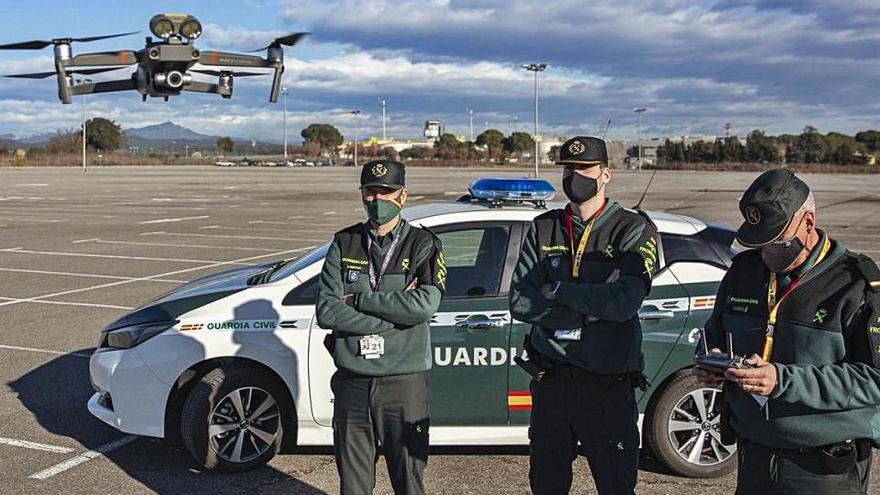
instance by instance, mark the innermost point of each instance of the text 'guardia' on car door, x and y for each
(470, 334)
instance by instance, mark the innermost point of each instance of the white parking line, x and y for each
(170, 220)
(240, 261)
(101, 241)
(258, 229)
(87, 255)
(35, 446)
(31, 185)
(26, 220)
(85, 240)
(87, 275)
(44, 351)
(64, 303)
(183, 234)
(84, 457)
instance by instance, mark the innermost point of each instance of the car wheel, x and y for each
(231, 420)
(683, 429)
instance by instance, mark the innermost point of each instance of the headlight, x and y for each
(191, 28)
(128, 337)
(161, 26)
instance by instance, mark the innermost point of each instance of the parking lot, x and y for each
(79, 250)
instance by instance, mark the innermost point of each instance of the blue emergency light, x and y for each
(501, 189)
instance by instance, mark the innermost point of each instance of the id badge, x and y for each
(567, 334)
(372, 346)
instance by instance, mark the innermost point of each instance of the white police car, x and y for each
(233, 364)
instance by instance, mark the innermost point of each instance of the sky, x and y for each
(694, 65)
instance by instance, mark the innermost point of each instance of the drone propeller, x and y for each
(40, 44)
(227, 73)
(289, 40)
(43, 75)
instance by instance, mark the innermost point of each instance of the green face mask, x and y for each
(382, 211)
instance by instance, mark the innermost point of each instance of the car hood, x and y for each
(191, 295)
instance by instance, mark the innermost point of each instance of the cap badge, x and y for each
(379, 170)
(576, 148)
(753, 215)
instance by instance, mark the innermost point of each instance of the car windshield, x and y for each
(290, 268)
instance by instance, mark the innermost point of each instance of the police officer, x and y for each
(804, 310)
(381, 283)
(582, 275)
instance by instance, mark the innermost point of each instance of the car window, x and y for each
(692, 248)
(722, 239)
(303, 295)
(474, 259)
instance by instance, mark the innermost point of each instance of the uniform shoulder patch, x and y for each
(352, 229)
(554, 214)
(869, 271)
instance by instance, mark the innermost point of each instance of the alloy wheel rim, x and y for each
(244, 424)
(694, 427)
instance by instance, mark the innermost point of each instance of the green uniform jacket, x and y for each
(401, 317)
(620, 239)
(828, 387)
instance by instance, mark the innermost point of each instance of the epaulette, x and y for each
(868, 268)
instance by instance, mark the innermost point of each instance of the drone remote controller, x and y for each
(720, 361)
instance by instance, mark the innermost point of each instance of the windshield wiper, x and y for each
(265, 275)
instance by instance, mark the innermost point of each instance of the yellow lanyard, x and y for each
(582, 246)
(578, 255)
(774, 305)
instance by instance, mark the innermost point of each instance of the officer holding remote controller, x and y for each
(805, 313)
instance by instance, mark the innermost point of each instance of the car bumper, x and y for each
(128, 395)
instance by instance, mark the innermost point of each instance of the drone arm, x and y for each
(276, 83)
(104, 87)
(232, 59)
(124, 57)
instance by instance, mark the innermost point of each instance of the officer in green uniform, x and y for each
(582, 275)
(804, 310)
(381, 283)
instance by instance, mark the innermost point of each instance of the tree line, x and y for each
(810, 146)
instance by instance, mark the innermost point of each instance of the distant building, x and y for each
(433, 130)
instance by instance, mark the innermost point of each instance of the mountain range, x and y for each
(167, 136)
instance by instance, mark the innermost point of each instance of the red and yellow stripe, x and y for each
(519, 401)
(190, 327)
(704, 302)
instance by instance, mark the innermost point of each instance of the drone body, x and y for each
(164, 67)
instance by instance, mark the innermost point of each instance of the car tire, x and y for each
(235, 443)
(675, 424)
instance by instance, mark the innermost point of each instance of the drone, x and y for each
(164, 67)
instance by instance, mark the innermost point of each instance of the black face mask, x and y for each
(780, 255)
(579, 188)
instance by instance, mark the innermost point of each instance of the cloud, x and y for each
(695, 65)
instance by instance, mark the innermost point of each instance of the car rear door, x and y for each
(470, 334)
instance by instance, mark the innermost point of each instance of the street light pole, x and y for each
(536, 68)
(284, 92)
(471, 115)
(382, 102)
(355, 113)
(639, 112)
(84, 81)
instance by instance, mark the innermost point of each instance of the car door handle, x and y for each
(656, 315)
(480, 323)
